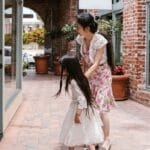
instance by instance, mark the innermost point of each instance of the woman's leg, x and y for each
(91, 147)
(71, 148)
(106, 130)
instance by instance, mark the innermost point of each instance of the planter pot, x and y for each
(120, 88)
(10, 69)
(57, 69)
(41, 64)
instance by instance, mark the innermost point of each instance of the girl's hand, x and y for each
(77, 118)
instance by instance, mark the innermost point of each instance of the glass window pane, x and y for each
(9, 56)
(118, 43)
(148, 61)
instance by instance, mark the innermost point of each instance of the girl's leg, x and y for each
(106, 130)
(91, 147)
(71, 148)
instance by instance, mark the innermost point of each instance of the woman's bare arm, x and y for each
(95, 65)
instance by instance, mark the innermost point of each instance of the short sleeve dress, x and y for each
(101, 80)
(86, 133)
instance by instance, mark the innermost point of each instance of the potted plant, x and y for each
(120, 83)
(57, 66)
(69, 33)
(41, 64)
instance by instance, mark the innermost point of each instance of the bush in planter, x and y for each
(120, 83)
(36, 35)
(118, 70)
(69, 33)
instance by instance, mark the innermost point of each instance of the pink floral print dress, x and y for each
(101, 80)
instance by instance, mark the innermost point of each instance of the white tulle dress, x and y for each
(86, 133)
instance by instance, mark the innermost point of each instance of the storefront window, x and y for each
(118, 39)
(9, 55)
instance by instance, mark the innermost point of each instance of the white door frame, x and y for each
(2, 2)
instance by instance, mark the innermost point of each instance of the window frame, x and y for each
(147, 63)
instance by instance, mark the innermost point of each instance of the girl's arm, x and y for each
(77, 115)
(82, 103)
(98, 57)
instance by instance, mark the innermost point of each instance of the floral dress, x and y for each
(101, 80)
(89, 131)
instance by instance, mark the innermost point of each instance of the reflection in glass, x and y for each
(149, 64)
(9, 55)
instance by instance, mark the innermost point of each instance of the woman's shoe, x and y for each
(106, 145)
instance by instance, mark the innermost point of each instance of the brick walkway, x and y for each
(37, 123)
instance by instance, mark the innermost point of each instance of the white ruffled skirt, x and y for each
(86, 133)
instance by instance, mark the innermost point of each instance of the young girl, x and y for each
(81, 125)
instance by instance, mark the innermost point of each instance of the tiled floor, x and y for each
(37, 123)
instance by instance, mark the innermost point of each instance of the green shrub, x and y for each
(108, 26)
(69, 31)
(36, 35)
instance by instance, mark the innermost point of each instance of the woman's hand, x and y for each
(77, 118)
(98, 58)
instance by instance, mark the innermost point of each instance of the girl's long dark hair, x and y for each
(72, 66)
(87, 20)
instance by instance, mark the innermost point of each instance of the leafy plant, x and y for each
(36, 35)
(108, 26)
(25, 38)
(69, 31)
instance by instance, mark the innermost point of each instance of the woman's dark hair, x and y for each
(72, 66)
(110, 52)
(87, 20)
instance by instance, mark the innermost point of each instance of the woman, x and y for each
(98, 64)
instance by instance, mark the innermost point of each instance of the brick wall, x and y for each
(134, 48)
(66, 13)
(55, 13)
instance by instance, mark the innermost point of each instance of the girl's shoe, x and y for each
(97, 147)
(106, 145)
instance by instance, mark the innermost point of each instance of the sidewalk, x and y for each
(37, 123)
